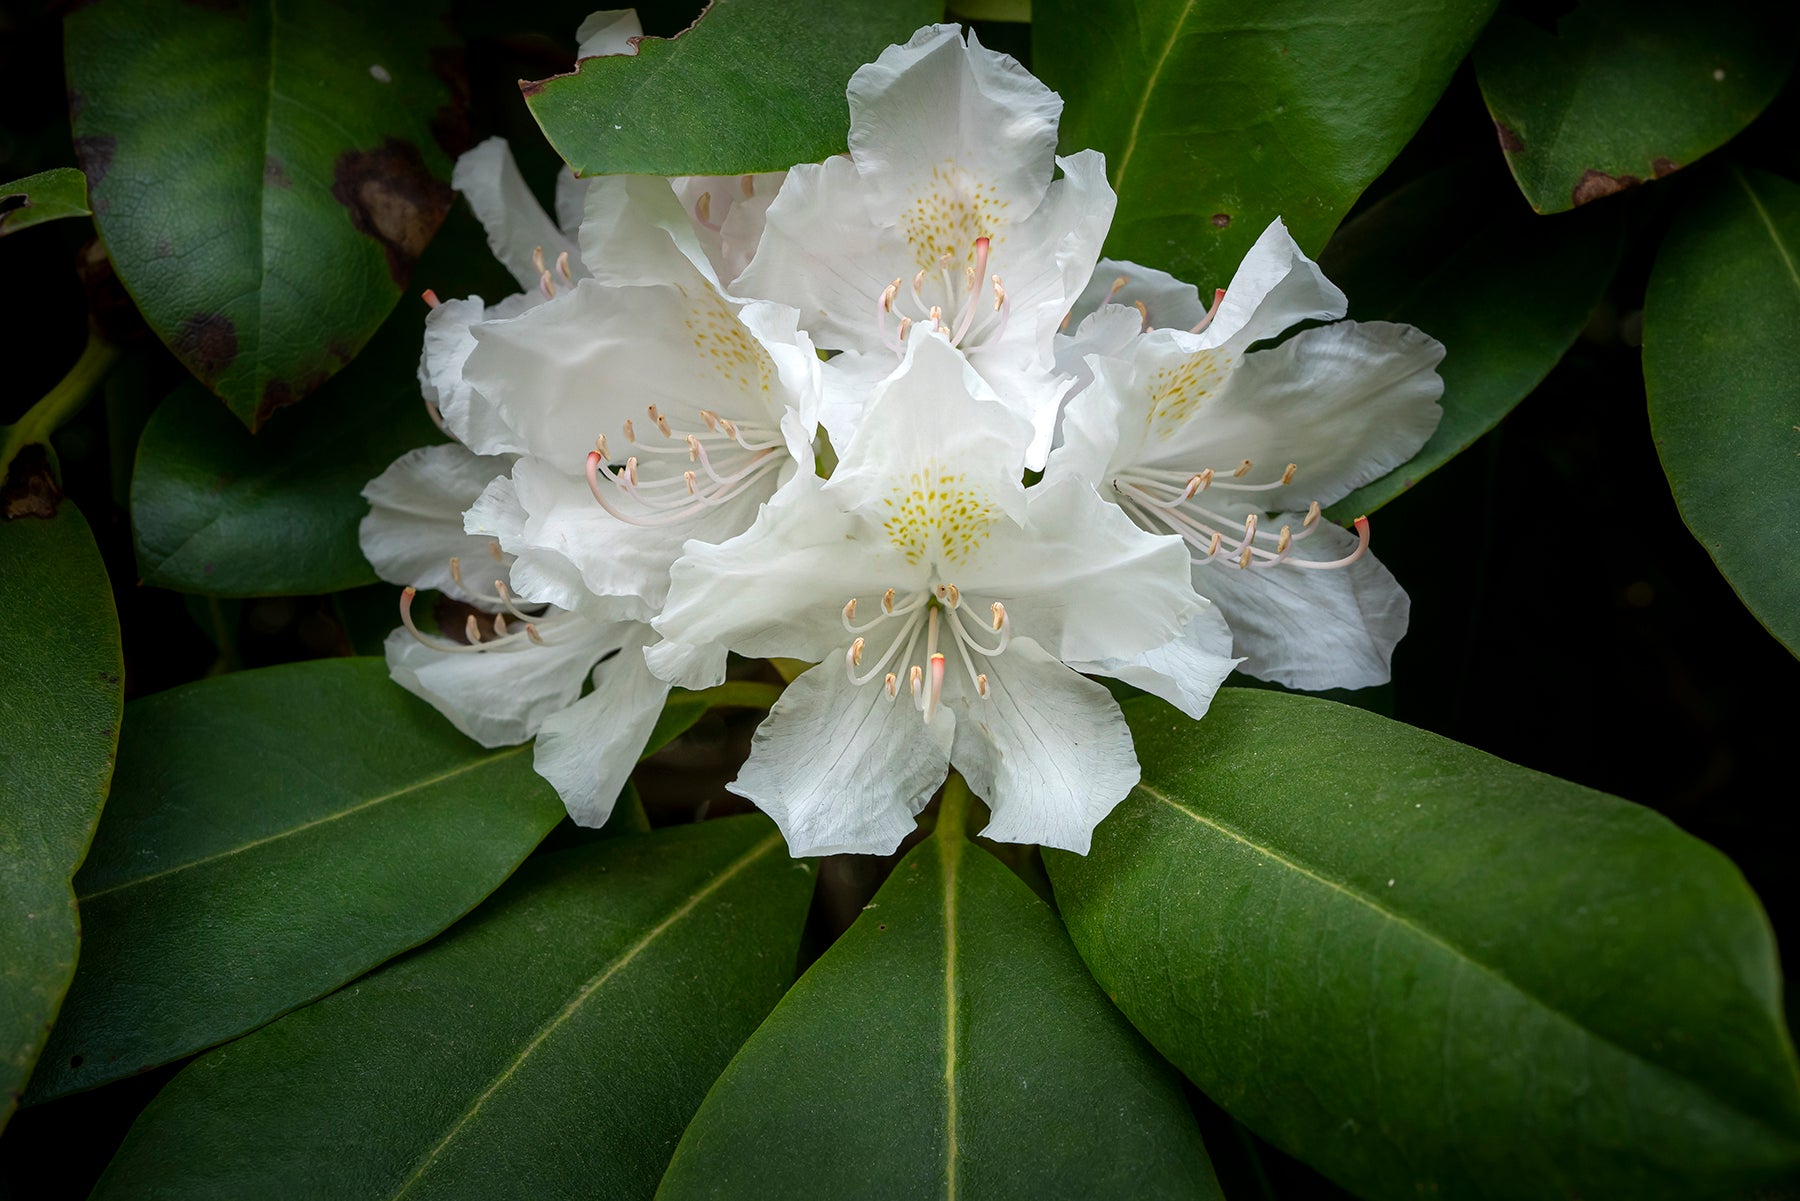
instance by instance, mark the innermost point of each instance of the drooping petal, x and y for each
(729, 212)
(1081, 579)
(1187, 671)
(941, 130)
(1108, 332)
(449, 340)
(1347, 403)
(937, 458)
(571, 203)
(609, 31)
(1103, 425)
(587, 750)
(501, 696)
(821, 253)
(518, 230)
(843, 769)
(1275, 288)
(634, 231)
(1048, 750)
(542, 577)
(415, 522)
(1311, 629)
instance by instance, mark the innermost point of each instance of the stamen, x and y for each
(1000, 297)
(981, 685)
(562, 266)
(537, 258)
(1218, 299)
(456, 569)
(630, 432)
(887, 602)
(662, 423)
(887, 296)
(748, 184)
(494, 551)
(703, 210)
(693, 445)
(937, 318)
(849, 611)
(500, 624)
(1243, 469)
(472, 629)
(905, 327)
(600, 446)
(1285, 540)
(531, 631)
(1244, 559)
(547, 286)
(918, 679)
(1287, 476)
(892, 685)
(1143, 314)
(854, 655)
(1312, 516)
(1118, 285)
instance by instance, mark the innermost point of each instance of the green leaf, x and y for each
(266, 210)
(950, 1043)
(1617, 92)
(46, 196)
(554, 1044)
(683, 708)
(1216, 117)
(754, 85)
(1722, 370)
(60, 697)
(1430, 973)
(272, 835)
(1433, 255)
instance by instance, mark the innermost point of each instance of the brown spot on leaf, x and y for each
(1221, 220)
(273, 175)
(392, 197)
(277, 394)
(95, 155)
(76, 100)
(30, 489)
(163, 250)
(1510, 141)
(1660, 166)
(1595, 184)
(531, 87)
(207, 343)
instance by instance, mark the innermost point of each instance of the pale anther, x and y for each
(999, 615)
(472, 629)
(547, 286)
(1287, 477)
(456, 569)
(1243, 469)
(1312, 515)
(537, 258)
(1285, 540)
(562, 266)
(1244, 559)
(981, 685)
(850, 609)
(856, 650)
(1143, 313)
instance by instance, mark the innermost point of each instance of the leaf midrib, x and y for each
(360, 806)
(1143, 104)
(1768, 222)
(950, 857)
(581, 997)
(1463, 956)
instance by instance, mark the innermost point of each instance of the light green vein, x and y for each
(1137, 118)
(304, 826)
(950, 856)
(1762, 214)
(594, 984)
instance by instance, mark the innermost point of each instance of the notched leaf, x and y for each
(392, 197)
(1595, 184)
(30, 489)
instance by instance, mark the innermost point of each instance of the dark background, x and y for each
(1563, 616)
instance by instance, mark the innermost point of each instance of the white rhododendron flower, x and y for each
(942, 601)
(944, 214)
(1192, 435)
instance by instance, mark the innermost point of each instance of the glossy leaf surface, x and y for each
(950, 1044)
(1722, 370)
(1617, 92)
(772, 74)
(1430, 973)
(46, 196)
(1433, 255)
(554, 1044)
(1217, 117)
(273, 834)
(263, 175)
(61, 691)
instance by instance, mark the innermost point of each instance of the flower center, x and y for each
(526, 629)
(930, 615)
(654, 486)
(954, 300)
(936, 515)
(1158, 498)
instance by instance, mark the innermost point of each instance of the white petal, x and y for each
(821, 253)
(728, 212)
(1346, 402)
(1186, 671)
(1169, 303)
(571, 203)
(415, 521)
(935, 428)
(587, 750)
(1103, 425)
(516, 224)
(1048, 750)
(1108, 331)
(1081, 579)
(779, 588)
(1274, 288)
(449, 340)
(610, 31)
(842, 769)
(1311, 629)
(636, 232)
(849, 379)
(538, 576)
(501, 696)
(935, 104)
(687, 666)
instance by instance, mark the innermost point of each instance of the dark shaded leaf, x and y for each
(1430, 973)
(46, 196)
(272, 835)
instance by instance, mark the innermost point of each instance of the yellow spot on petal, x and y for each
(723, 343)
(1182, 389)
(937, 516)
(948, 211)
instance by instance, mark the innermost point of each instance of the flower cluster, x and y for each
(634, 491)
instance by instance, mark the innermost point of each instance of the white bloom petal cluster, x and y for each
(633, 493)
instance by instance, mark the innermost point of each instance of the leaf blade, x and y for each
(47, 196)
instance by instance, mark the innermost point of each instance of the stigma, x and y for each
(922, 632)
(956, 303)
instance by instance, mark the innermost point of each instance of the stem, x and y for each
(953, 808)
(61, 402)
